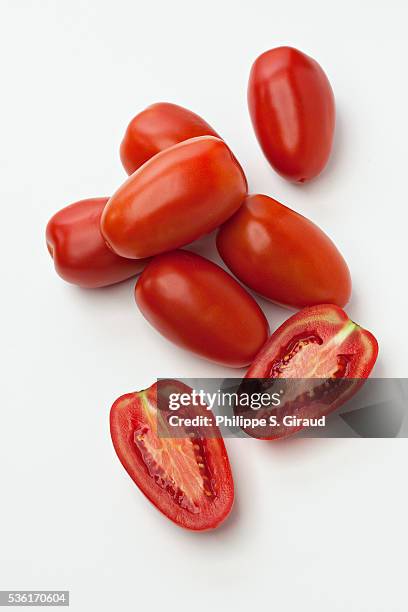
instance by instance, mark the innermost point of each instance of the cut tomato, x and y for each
(187, 478)
(327, 354)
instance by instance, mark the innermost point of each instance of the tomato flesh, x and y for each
(327, 354)
(306, 355)
(188, 478)
(156, 128)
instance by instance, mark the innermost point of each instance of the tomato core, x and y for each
(179, 467)
(302, 357)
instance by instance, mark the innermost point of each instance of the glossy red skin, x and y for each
(292, 109)
(79, 250)
(198, 306)
(128, 416)
(283, 256)
(177, 196)
(341, 338)
(156, 128)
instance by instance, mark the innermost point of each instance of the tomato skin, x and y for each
(158, 127)
(177, 196)
(198, 306)
(79, 250)
(135, 414)
(283, 256)
(319, 342)
(292, 108)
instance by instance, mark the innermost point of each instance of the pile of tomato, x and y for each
(184, 182)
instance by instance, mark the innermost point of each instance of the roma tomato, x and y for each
(198, 306)
(291, 104)
(79, 250)
(174, 198)
(158, 127)
(283, 256)
(327, 354)
(187, 478)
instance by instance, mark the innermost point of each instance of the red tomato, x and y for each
(321, 343)
(283, 256)
(188, 478)
(79, 251)
(156, 128)
(174, 198)
(291, 104)
(198, 306)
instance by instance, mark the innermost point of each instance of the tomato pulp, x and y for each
(188, 478)
(292, 109)
(177, 196)
(200, 307)
(159, 127)
(79, 251)
(329, 355)
(283, 256)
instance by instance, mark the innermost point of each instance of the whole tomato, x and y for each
(291, 104)
(198, 306)
(174, 198)
(283, 256)
(79, 251)
(158, 127)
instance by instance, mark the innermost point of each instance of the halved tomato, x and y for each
(320, 358)
(187, 478)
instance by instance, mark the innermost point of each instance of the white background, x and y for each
(318, 524)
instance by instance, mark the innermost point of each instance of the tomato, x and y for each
(177, 196)
(79, 251)
(188, 478)
(198, 306)
(329, 355)
(283, 256)
(156, 128)
(291, 104)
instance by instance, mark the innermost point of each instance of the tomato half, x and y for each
(177, 196)
(283, 256)
(329, 355)
(198, 306)
(292, 108)
(79, 251)
(188, 478)
(158, 127)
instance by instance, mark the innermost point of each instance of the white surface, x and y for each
(318, 524)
